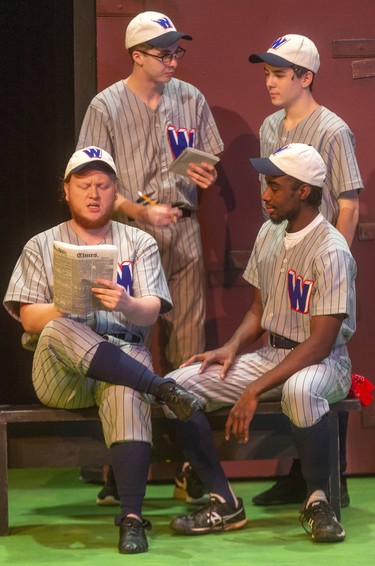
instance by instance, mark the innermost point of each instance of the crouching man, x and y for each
(303, 279)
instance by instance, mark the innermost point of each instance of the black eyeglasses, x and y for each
(167, 58)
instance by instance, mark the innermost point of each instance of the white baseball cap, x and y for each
(298, 160)
(288, 50)
(153, 28)
(90, 156)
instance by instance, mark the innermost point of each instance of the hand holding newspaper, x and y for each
(75, 272)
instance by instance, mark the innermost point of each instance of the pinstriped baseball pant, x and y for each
(305, 396)
(182, 328)
(61, 360)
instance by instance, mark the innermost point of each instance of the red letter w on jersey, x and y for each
(299, 292)
(180, 139)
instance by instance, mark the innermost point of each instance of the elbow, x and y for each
(28, 326)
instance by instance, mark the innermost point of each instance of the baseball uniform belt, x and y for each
(282, 342)
(186, 213)
(126, 336)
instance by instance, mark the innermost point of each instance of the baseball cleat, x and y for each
(133, 538)
(189, 487)
(181, 402)
(319, 520)
(215, 517)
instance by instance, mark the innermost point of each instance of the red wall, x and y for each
(224, 34)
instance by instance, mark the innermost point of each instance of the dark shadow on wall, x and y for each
(230, 218)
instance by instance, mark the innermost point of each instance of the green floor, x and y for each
(55, 521)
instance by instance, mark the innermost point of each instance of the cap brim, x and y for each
(270, 59)
(265, 166)
(167, 39)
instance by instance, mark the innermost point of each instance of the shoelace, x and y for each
(133, 524)
(319, 511)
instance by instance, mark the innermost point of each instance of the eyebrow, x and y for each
(271, 182)
(280, 70)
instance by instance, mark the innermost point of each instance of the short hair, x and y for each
(300, 71)
(315, 196)
(140, 47)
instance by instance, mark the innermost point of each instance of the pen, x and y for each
(150, 201)
(146, 198)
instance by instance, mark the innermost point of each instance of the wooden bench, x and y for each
(68, 455)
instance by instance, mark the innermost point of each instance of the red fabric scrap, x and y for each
(361, 389)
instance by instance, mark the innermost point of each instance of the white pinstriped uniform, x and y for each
(335, 142)
(143, 143)
(61, 381)
(322, 270)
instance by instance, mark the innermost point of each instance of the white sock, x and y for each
(317, 495)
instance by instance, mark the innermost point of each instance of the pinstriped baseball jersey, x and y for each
(143, 143)
(332, 138)
(32, 278)
(66, 345)
(312, 278)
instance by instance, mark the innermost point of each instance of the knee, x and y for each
(297, 404)
(55, 327)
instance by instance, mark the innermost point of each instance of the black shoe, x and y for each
(285, 491)
(292, 489)
(133, 539)
(319, 520)
(182, 403)
(108, 496)
(216, 516)
(189, 486)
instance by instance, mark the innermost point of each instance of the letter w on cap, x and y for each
(164, 22)
(93, 152)
(278, 43)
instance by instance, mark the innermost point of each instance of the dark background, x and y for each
(38, 137)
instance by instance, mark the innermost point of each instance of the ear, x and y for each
(307, 79)
(136, 55)
(66, 191)
(304, 191)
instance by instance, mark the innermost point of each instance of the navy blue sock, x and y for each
(313, 448)
(196, 440)
(130, 462)
(112, 365)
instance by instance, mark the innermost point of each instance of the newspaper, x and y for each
(75, 272)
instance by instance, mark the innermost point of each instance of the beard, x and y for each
(88, 224)
(277, 220)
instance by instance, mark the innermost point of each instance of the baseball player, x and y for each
(100, 359)
(145, 121)
(290, 65)
(302, 274)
